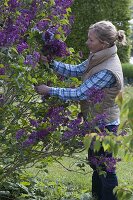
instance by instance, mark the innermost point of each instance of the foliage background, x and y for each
(89, 12)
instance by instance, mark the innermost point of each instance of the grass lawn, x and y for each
(74, 185)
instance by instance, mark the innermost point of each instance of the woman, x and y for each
(102, 70)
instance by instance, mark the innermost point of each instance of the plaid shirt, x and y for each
(102, 79)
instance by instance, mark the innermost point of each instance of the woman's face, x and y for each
(93, 43)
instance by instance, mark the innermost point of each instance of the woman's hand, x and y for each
(42, 89)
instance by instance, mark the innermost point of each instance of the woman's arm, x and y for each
(68, 70)
(99, 80)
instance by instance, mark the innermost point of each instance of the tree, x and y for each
(89, 12)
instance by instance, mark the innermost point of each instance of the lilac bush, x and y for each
(32, 33)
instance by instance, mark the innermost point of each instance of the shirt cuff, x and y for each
(53, 91)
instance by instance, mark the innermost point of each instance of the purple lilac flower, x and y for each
(28, 143)
(13, 4)
(29, 60)
(13, 31)
(115, 129)
(2, 71)
(42, 133)
(19, 134)
(36, 56)
(56, 116)
(59, 11)
(95, 95)
(74, 123)
(94, 161)
(63, 3)
(21, 47)
(43, 24)
(9, 34)
(68, 135)
(54, 29)
(12, 37)
(66, 29)
(33, 136)
(32, 59)
(71, 133)
(75, 128)
(99, 120)
(108, 162)
(22, 23)
(47, 36)
(56, 48)
(34, 123)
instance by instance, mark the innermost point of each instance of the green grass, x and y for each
(56, 171)
(79, 182)
(76, 176)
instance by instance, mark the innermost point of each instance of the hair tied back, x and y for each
(121, 37)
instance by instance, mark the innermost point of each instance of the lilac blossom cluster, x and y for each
(78, 127)
(55, 118)
(73, 129)
(56, 48)
(63, 3)
(22, 19)
(100, 162)
(32, 59)
(52, 46)
(95, 95)
(20, 133)
(14, 28)
(2, 71)
(13, 4)
(22, 46)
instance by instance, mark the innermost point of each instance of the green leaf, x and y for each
(34, 80)
(71, 50)
(25, 183)
(14, 49)
(115, 149)
(97, 145)
(105, 145)
(87, 141)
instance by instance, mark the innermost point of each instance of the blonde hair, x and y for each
(107, 32)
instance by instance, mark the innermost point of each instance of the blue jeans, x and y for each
(102, 186)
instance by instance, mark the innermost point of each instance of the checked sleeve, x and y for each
(102, 79)
(68, 70)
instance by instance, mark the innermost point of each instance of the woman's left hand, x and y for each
(42, 89)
